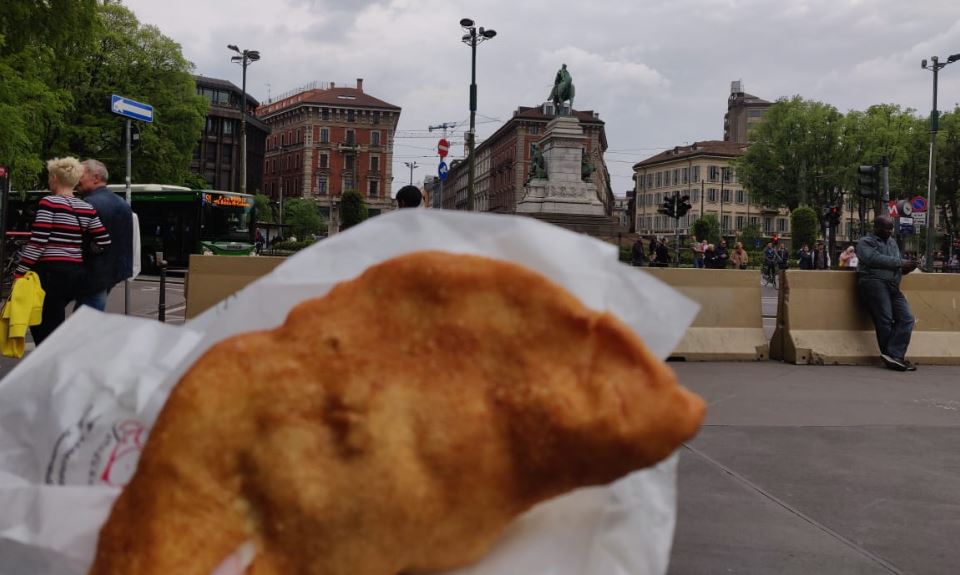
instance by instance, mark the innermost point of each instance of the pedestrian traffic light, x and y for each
(684, 206)
(869, 179)
(669, 207)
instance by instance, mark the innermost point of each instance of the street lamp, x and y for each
(411, 165)
(935, 67)
(473, 37)
(244, 58)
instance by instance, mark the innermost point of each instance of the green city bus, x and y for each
(176, 220)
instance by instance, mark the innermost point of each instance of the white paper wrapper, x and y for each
(75, 413)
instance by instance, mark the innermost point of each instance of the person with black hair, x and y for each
(409, 197)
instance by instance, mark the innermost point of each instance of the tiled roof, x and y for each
(346, 97)
(706, 148)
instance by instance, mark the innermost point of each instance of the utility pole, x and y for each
(444, 126)
(472, 38)
(244, 58)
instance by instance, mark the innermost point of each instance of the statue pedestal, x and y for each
(562, 191)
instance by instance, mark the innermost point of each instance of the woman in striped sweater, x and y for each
(55, 249)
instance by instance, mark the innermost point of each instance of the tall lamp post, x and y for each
(935, 66)
(472, 38)
(411, 165)
(244, 58)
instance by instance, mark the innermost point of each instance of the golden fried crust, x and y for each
(397, 424)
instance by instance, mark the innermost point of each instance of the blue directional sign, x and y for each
(131, 108)
(442, 171)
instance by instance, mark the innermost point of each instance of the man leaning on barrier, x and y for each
(879, 271)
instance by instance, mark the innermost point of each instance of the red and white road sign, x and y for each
(443, 147)
(892, 209)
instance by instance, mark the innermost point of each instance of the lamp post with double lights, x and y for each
(473, 37)
(243, 58)
(934, 66)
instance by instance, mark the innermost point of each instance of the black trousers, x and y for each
(61, 282)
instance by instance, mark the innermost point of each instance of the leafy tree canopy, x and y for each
(352, 210)
(803, 226)
(304, 218)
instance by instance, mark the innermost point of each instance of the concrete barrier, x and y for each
(730, 323)
(211, 279)
(821, 320)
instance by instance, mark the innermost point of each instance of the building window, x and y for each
(211, 152)
(533, 130)
(649, 181)
(676, 177)
(726, 196)
(347, 182)
(228, 127)
(696, 174)
(283, 140)
(781, 225)
(325, 114)
(740, 221)
(323, 161)
(711, 194)
(713, 173)
(754, 221)
(659, 179)
(657, 199)
(726, 223)
(211, 125)
(375, 138)
(350, 137)
(695, 196)
(376, 118)
(767, 225)
(727, 174)
(324, 135)
(685, 175)
(351, 116)
(321, 185)
(349, 161)
(227, 153)
(373, 188)
(375, 164)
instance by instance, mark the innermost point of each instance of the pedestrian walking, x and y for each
(805, 258)
(739, 257)
(821, 259)
(879, 272)
(848, 258)
(62, 224)
(663, 254)
(698, 247)
(638, 255)
(723, 257)
(104, 271)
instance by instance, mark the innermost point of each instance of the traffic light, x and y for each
(834, 216)
(669, 207)
(683, 207)
(869, 180)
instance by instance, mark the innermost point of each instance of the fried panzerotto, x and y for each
(395, 425)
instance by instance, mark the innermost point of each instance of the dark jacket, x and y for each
(879, 259)
(106, 270)
(710, 259)
(638, 254)
(805, 260)
(723, 257)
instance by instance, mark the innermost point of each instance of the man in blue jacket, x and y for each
(879, 272)
(106, 270)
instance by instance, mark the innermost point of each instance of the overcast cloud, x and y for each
(658, 73)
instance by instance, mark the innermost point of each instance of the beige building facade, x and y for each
(704, 172)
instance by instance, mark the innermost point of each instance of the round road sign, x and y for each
(443, 147)
(442, 171)
(919, 204)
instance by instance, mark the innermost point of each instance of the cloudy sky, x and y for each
(658, 73)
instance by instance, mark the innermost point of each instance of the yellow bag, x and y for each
(22, 309)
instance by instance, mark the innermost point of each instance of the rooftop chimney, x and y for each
(360, 84)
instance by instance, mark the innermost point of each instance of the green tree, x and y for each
(797, 155)
(263, 210)
(303, 217)
(750, 235)
(352, 210)
(706, 228)
(887, 130)
(803, 226)
(948, 169)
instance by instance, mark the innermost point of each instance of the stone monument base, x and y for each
(544, 197)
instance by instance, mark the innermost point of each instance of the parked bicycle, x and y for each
(14, 242)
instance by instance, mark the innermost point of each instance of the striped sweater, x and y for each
(58, 230)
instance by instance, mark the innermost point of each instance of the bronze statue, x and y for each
(586, 167)
(538, 166)
(563, 89)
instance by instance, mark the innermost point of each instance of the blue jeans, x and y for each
(697, 262)
(891, 315)
(95, 300)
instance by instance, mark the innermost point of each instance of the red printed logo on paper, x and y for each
(122, 461)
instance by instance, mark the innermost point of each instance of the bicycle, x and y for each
(15, 241)
(769, 276)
